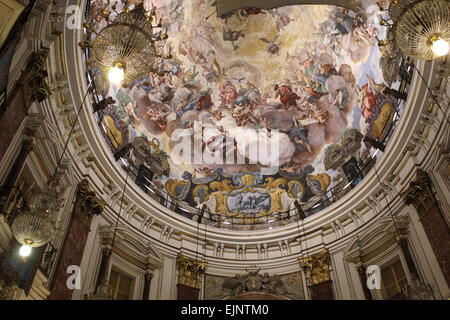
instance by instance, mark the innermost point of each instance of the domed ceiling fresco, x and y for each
(254, 110)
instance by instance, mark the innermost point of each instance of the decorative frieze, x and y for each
(262, 251)
(147, 224)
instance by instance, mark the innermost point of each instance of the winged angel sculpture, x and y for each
(253, 281)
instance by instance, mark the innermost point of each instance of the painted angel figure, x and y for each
(368, 97)
(273, 46)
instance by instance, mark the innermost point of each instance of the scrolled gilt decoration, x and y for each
(89, 203)
(420, 193)
(316, 267)
(189, 271)
(35, 78)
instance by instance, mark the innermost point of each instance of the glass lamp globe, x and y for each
(440, 47)
(25, 250)
(36, 226)
(117, 74)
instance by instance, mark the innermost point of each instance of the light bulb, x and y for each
(440, 47)
(25, 250)
(116, 74)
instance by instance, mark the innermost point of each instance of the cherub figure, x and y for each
(368, 95)
(273, 46)
(232, 36)
(130, 110)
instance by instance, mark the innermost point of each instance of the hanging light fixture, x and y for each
(38, 225)
(421, 28)
(126, 48)
(117, 73)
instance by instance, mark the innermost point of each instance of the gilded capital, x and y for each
(316, 267)
(190, 271)
(88, 204)
(420, 193)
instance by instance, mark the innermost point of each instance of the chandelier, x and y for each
(38, 225)
(421, 28)
(126, 48)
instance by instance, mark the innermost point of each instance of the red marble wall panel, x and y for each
(438, 234)
(13, 116)
(187, 293)
(322, 291)
(71, 254)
